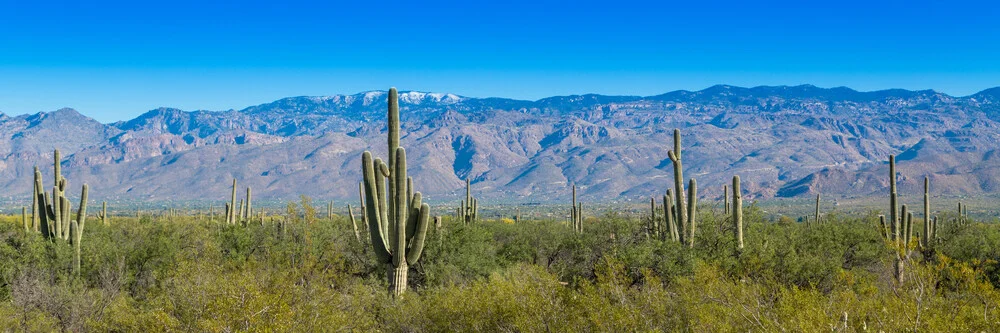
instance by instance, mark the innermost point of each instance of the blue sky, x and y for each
(113, 61)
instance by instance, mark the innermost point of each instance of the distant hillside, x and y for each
(782, 141)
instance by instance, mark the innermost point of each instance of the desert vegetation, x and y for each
(681, 265)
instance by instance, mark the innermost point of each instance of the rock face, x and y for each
(782, 141)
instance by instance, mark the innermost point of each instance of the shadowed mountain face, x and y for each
(782, 141)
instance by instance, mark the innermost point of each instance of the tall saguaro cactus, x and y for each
(817, 208)
(51, 213)
(683, 211)
(576, 213)
(652, 228)
(397, 231)
(675, 157)
(893, 203)
(738, 212)
(925, 238)
(470, 207)
(231, 210)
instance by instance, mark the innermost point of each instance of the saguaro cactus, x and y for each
(350, 212)
(675, 157)
(249, 211)
(817, 208)
(738, 212)
(725, 203)
(692, 211)
(893, 203)
(925, 239)
(576, 213)
(470, 205)
(36, 204)
(668, 213)
(397, 233)
(104, 213)
(231, 209)
(76, 228)
(652, 229)
(883, 228)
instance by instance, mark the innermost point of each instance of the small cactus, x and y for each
(469, 207)
(817, 209)
(24, 219)
(350, 212)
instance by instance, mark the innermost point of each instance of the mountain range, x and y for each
(784, 141)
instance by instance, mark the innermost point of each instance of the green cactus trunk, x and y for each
(893, 203)
(725, 202)
(925, 238)
(76, 228)
(242, 212)
(354, 224)
(817, 209)
(903, 241)
(361, 197)
(681, 212)
(883, 228)
(231, 210)
(249, 211)
(24, 220)
(104, 213)
(668, 216)
(36, 207)
(738, 212)
(692, 211)
(579, 217)
(572, 210)
(57, 211)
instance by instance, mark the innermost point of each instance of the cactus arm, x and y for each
(81, 214)
(417, 243)
(398, 237)
(57, 210)
(375, 229)
(414, 213)
(361, 198)
(41, 211)
(57, 175)
(354, 223)
(381, 177)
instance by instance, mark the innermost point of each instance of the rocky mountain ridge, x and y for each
(784, 141)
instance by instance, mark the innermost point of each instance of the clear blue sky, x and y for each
(113, 61)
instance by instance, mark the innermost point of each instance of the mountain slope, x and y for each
(783, 141)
